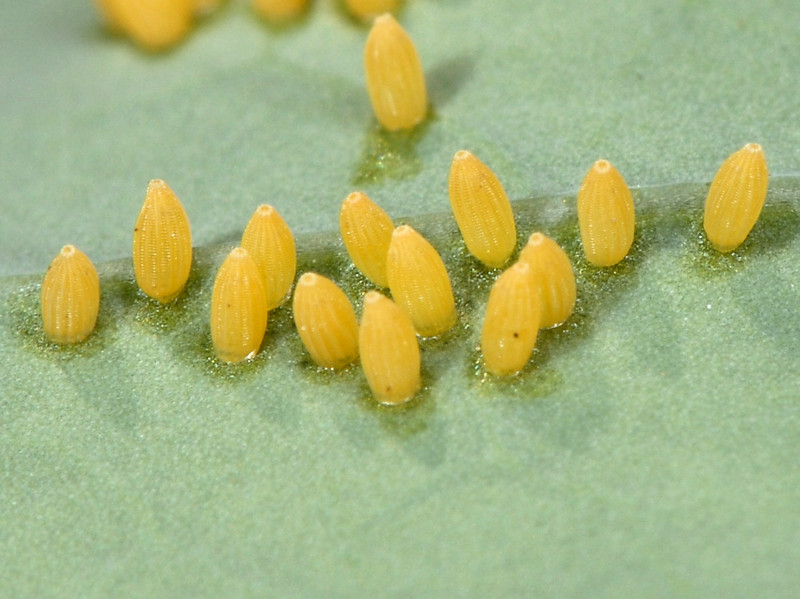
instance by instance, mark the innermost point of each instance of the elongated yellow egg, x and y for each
(369, 9)
(736, 198)
(70, 297)
(366, 231)
(389, 350)
(419, 282)
(511, 323)
(279, 10)
(395, 81)
(153, 24)
(325, 321)
(270, 242)
(238, 308)
(482, 210)
(605, 215)
(162, 244)
(554, 278)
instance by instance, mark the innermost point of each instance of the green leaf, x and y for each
(650, 449)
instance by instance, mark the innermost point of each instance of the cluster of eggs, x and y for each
(538, 291)
(158, 24)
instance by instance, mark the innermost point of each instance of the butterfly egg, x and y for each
(153, 24)
(162, 244)
(419, 282)
(369, 9)
(270, 242)
(389, 350)
(70, 297)
(554, 278)
(736, 198)
(395, 81)
(238, 308)
(279, 10)
(325, 321)
(366, 231)
(482, 210)
(511, 323)
(605, 215)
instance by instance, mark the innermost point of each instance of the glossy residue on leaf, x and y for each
(70, 297)
(238, 308)
(389, 350)
(162, 244)
(605, 215)
(366, 231)
(736, 198)
(395, 81)
(270, 243)
(554, 278)
(482, 210)
(326, 321)
(419, 282)
(511, 323)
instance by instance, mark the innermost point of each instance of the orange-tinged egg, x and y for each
(736, 198)
(366, 231)
(325, 321)
(605, 215)
(389, 350)
(511, 324)
(395, 81)
(554, 277)
(70, 297)
(270, 242)
(162, 244)
(419, 282)
(238, 308)
(482, 210)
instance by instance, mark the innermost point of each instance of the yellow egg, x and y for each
(395, 81)
(605, 215)
(736, 198)
(419, 282)
(511, 323)
(482, 210)
(366, 231)
(153, 24)
(70, 297)
(389, 350)
(325, 321)
(162, 244)
(554, 277)
(369, 9)
(270, 242)
(279, 10)
(238, 308)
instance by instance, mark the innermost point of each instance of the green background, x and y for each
(651, 447)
